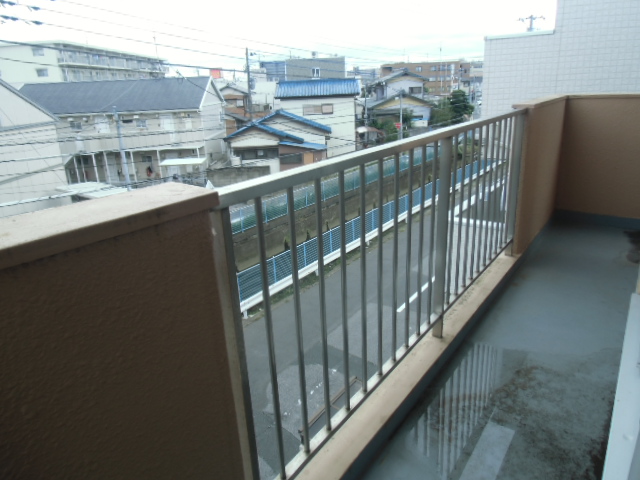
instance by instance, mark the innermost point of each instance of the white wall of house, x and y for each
(31, 163)
(342, 120)
(404, 83)
(308, 133)
(593, 49)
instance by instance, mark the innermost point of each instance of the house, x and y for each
(294, 69)
(327, 101)
(282, 139)
(399, 81)
(53, 61)
(237, 110)
(419, 109)
(31, 162)
(164, 127)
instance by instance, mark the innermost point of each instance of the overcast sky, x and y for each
(214, 34)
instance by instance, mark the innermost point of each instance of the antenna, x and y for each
(531, 18)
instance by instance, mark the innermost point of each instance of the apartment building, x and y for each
(53, 61)
(443, 77)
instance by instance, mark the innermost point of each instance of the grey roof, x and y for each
(296, 118)
(330, 87)
(156, 94)
(27, 99)
(273, 131)
(399, 73)
(379, 103)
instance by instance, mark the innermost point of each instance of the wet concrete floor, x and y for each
(529, 394)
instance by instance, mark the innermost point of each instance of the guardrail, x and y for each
(341, 337)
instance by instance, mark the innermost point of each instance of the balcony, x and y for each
(126, 351)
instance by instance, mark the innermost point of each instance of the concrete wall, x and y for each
(539, 171)
(221, 177)
(593, 49)
(115, 360)
(600, 168)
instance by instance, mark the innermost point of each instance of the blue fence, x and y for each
(279, 266)
(244, 218)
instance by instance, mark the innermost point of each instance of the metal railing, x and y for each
(308, 363)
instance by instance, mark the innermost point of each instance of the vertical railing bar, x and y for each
(363, 275)
(460, 228)
(266, 301)
(489, 195)
(343, 278)
(394, 292)
(380, 239)
(435, 174)
(503, 171)
(515, 175)
(222, 222)
(496, 197)
(452, 206)
(423, 197)
(298, 318)
(407, 291)
(474, 256)
(323, 302)
(468, 243)
(507, 176)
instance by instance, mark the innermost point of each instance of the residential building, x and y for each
(31, 161)
(365, 75)
(443, 77)
(294, 69)
(168, 126)
(282, 140)
(419, 109)
(236, 97)
(57, 61)
(327, 101)
(396, 83)
(593, 49)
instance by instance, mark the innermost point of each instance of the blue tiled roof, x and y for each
(296, 118)
(265, 128)
(329, 87)
(309, 145)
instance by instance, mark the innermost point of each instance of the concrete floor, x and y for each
(529, 394)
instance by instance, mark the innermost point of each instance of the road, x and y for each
(284, 333)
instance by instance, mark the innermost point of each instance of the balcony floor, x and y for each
(529, 393)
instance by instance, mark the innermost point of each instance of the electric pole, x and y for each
(531, 18)
(246, 53)
(123, 158)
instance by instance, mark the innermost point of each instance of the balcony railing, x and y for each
(412, 262)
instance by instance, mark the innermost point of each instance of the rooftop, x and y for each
(329, 87)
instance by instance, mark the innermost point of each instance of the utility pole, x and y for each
(123, 158)
(401, 125)
(531, 18)
(246, 53)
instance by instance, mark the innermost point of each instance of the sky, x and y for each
(215, 34)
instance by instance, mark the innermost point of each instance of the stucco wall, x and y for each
(112, 344)
(600, 168)
(539, 170)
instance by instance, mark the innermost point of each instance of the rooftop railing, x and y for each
(380, 284)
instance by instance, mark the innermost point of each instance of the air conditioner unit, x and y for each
(85, 119)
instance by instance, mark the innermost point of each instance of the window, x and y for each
(290, 158)
(432, 79)
(415, 90)
(42, 72)
(315, 73)
(434, 69)
(324, 109)
(240, 102)
(75, 126)
(146, 158)
(38, 52)
(141, 123)
(418, 69)
(127, 120)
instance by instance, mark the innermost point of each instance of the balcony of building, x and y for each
(467, 290)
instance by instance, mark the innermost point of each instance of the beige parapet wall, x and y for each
(113, 351)
(600, 158)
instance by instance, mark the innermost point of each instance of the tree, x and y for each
(460, 106)
(452, 110)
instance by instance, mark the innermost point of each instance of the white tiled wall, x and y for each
(595, 48)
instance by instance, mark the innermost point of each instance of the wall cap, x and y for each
(32, 236)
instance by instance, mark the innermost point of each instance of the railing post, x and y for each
(441, 234)
(514, 178)
(223, 250)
